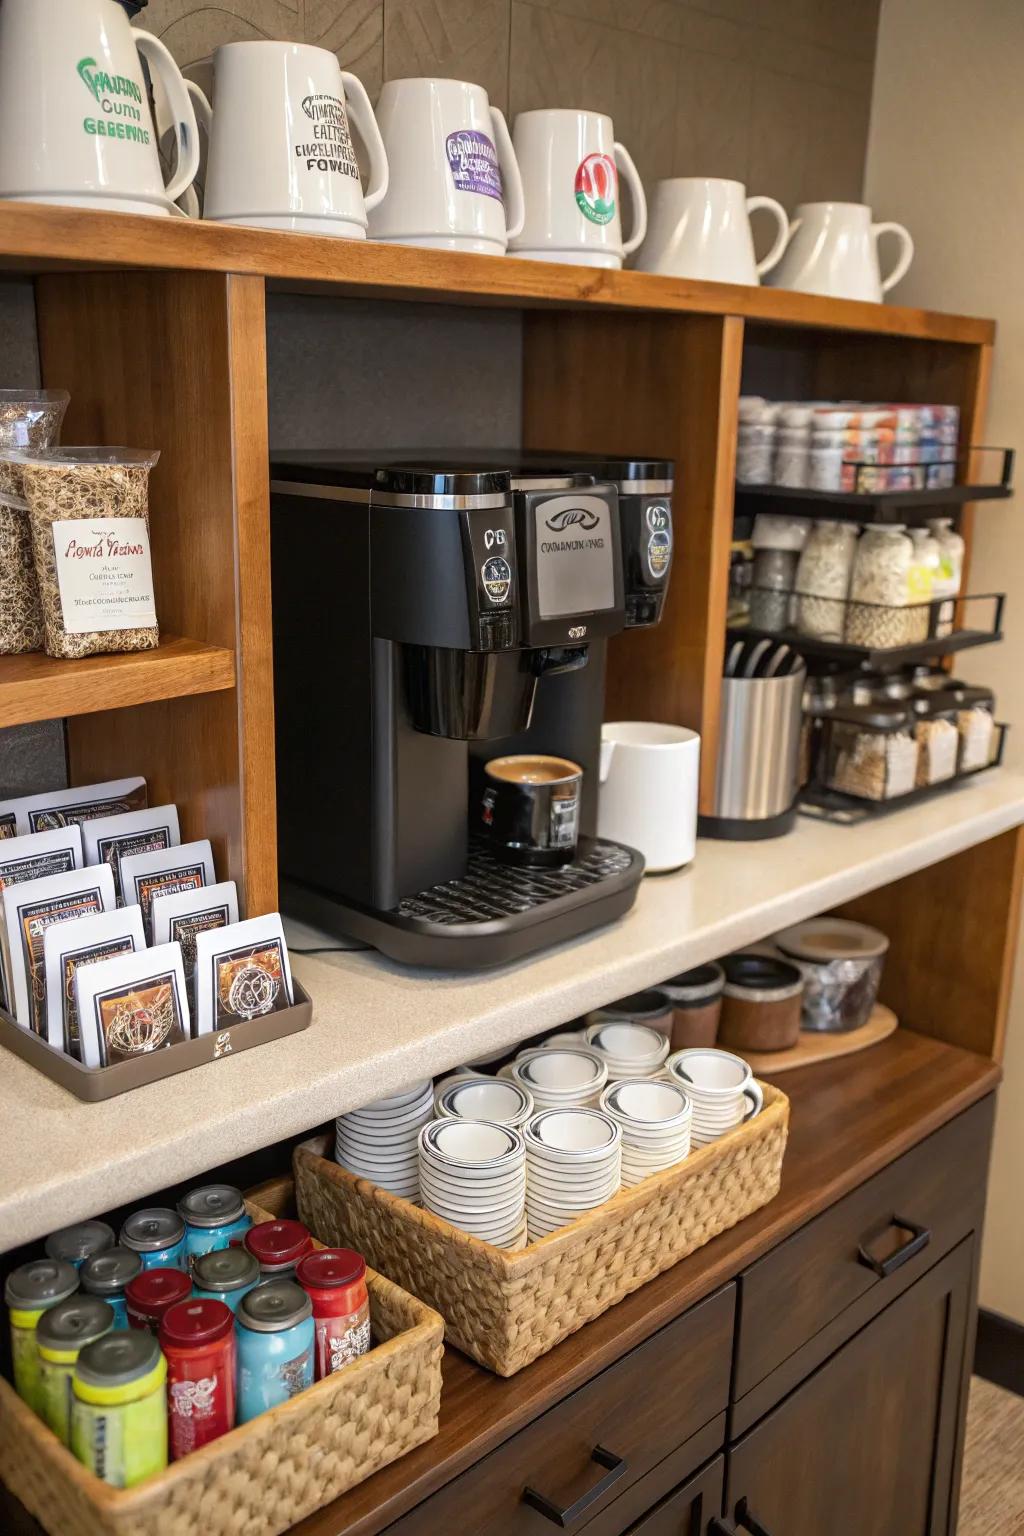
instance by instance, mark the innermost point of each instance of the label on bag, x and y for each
(597, 181)
(104, 573)
(474, 163)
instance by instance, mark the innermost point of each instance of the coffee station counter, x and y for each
(377, 1025)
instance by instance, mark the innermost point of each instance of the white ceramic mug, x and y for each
(455, 181)
(833, 251)
(570, 163)
(700, 228)
(281, 154)
(721, 1088)
(75, 123)
(648, 798)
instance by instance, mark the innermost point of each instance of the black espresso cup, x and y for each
(531, 808)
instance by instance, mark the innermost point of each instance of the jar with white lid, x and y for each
(823, 579)
(925, 566)
(949, 577)
(880, 588)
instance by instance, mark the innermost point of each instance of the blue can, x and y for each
(276, 1335)
(76, 1244)
(158, 1237)
(107, 1274)
(215, 1217)
(226, 1275)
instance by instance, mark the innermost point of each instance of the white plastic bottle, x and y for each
(950, 575)
(924, 569)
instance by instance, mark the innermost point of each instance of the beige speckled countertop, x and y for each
(377, 1025)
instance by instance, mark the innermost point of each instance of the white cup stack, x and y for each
(655, 1119)
(573, 1163)
(473, 1175)
(381, 1141)
(721, 1088)
(628, 1050)
(568, 1078)
(484, 1098)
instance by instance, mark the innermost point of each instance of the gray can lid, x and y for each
(225, 1269)
(148, 1231)
(118, 1358)
(274, 1306)
(107, 1274)
(700, 985)
(40, 1283)
(79, 1241)
(212, 1205)
(79, 1320)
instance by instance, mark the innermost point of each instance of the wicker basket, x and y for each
(265, 1475)
(505, 1309)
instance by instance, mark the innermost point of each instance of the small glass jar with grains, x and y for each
(823, 579)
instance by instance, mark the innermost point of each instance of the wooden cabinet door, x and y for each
(868, 1444)
(691, 1510)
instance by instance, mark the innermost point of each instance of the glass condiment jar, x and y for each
(925, 566)
(938, 739)
(949, 577)
(880, 588)
(871, 751)
(823, 579)
(771, 592)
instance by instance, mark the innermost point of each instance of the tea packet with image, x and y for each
(109, 839)
(188, 867)
(131, 1005)
(29, 910)
(242, 972)
(83, 941)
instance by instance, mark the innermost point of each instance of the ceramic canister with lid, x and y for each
(31, 1290)
(760, 1003)
(278, 1246)
(62, 1334)
(119, 1409)
(157, 1236)
(276, 1341)
(841, 962)
(198, 1340)
(225, 1274)
(334, 1279)
(696, 998)
(76, 1244)
(149, 1295)
(215, 1217)
(107, 1275)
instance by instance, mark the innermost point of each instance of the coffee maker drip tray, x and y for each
(494, 914)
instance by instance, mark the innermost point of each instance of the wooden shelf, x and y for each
(36, 687)
(36, 238)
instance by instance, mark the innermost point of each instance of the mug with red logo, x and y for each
(570, 164)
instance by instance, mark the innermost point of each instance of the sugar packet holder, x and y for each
(242, 973)
(132, 1005)
(83, 941)
(29, 909)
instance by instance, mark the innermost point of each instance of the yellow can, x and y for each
(60, 1335)
(119, 1408)
(31, 1290)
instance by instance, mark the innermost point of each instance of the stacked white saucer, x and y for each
(484, 1098)
(573, 1163)
(628, 1050)
(562, 1078)
(473, 1174)
(655, 1119)
(381, 1140)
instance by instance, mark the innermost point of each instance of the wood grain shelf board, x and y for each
(37, 237)
(37, 687)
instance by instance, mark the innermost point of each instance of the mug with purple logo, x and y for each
(455, 181)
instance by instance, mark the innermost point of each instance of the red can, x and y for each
(149, 1295)
(335, 1281)
(198, 1338)
(278, 1246)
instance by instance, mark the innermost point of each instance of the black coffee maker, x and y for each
(420, 608)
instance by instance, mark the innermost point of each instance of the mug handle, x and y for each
(362, 116)
(906, 257)
(186, 130)
(515, 204)
(755, 1093)
(607, 753)
(624, 161)
(781, 239)
(189, 199)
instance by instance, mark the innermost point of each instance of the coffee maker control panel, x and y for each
(489, 543)
(571, 552)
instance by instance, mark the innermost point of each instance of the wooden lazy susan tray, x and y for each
(813, 1046)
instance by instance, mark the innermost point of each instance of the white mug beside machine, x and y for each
(570, 163)
(699, 228)
(833, 251)
(281, 153)
(649, 784)
(455, 181)
(75, 122)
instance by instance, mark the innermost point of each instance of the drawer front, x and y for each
(857, 1254)
(691, 1509)
(563, 1470)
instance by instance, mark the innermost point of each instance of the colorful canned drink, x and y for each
(76, 1244)
(119, 1408)
(62, 1333)
(334, 1279)
(198, 1339)
(107, 1274)
(225, 1275)
(149, 1295)
(31, 1290)
(214, 1217)
(275, 1346)
(157, 1236)
(278, 1246)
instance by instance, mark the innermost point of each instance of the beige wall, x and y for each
(771, 92)
(945, 157)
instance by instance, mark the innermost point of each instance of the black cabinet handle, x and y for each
(565, 1517)
(746, 1521)
(720, 1527)
(919, 1239)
